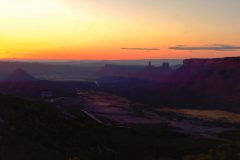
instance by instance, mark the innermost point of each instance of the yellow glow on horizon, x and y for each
(96, 29)
(29, 27)
(32, 25)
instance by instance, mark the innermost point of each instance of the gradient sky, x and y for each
(98, 29)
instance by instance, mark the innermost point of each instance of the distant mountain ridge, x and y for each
(222, 69)
(198, 83)
(155, 73)
(213, 62)
(20, 75)
(147, 72)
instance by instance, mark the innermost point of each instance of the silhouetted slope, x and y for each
(22, 84)
(33, 130)
(221, 69)
(215, 77)
(34, 89)
(20, 75)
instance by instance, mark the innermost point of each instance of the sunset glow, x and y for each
(98, 29)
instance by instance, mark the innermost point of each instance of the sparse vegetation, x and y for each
(222, 152)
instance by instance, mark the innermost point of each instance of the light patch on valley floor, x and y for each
(212, 115)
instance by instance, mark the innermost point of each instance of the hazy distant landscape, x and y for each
(119, 111)
(71, 70)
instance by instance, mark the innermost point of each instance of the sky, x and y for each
(119, 29)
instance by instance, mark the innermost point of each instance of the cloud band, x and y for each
(214, 47)
(142, 49)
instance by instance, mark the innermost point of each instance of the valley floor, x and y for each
(110, 109)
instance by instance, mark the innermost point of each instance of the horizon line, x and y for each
(35, 59)
(140, 59)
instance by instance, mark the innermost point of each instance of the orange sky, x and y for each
(98, 29)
